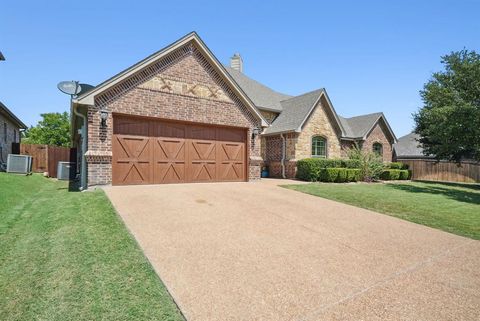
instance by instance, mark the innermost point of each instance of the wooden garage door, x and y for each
(161, 152)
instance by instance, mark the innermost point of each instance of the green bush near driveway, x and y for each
(311, 169)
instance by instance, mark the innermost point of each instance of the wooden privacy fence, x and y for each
(431, 170)
(45, 158)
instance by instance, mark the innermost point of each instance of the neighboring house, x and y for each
(181, 116)
(10, 127)
(408, 151)
(407, 147)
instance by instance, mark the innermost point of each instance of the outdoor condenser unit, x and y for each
(19, 164)
(66, 171)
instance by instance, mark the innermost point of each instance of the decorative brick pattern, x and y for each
(13, 136)
(133, 97)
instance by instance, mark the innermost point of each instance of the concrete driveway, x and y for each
(256, 251)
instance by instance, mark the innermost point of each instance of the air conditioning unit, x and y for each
(19, 164)
(66, 171)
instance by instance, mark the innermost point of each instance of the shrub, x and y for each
(395, 165)
(371, 164)
(308, 169)
(404, 174)
(390, 174)
(353, 174)
(330, 174)
(342, 175)
(352, 163)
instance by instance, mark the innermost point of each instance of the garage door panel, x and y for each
(231, 161)
(169, 160)
(130, 126)
(198, 132)
(202, 150)
(132, 160)
(203, 171)
(176, 153)
(166, 129)
(231, 134)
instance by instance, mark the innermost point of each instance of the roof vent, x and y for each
(236, 62)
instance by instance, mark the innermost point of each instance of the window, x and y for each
(319, 147)
(377, 149)
(14, 136)
(4, 132)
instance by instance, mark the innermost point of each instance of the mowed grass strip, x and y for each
(450, 207)
(67, 256)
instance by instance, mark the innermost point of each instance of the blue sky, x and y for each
(369, 55)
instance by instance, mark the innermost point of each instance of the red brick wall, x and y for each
(379, 134)
(190, 69)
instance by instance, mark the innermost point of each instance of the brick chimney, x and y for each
(236, 62)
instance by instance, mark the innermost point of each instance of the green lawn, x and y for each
(67, 256)
(453, 208)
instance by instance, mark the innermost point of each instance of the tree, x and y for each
(449, 122)
(53, 129)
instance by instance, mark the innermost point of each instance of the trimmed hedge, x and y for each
(353, 174)
(330, 174)
(394, 174)
(397, 165)
(310, 169)
(405, 174)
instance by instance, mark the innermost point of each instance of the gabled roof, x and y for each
(262, 96)
(297, 110)
(14, 119)
(359, 127)
(408, 147)
(88, 97)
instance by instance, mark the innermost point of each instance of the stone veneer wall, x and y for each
(269, 115)
(319, 124)
(182, 86)
(13, 136)
(378, 134)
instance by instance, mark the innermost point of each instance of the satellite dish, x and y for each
(69, 87)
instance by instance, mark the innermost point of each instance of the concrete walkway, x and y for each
(256, 251)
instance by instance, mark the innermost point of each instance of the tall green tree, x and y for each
(449, 122)
(53, 129)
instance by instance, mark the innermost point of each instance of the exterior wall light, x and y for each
(255, 132)
(103, 117)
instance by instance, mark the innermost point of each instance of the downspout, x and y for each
(284, 147)
(83, 168)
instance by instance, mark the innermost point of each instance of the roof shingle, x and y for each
(262, 96)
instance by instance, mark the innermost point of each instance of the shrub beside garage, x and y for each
(344, 170)
(328, 170)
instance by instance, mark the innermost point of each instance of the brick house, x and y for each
(10, 127)
(181, 116)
